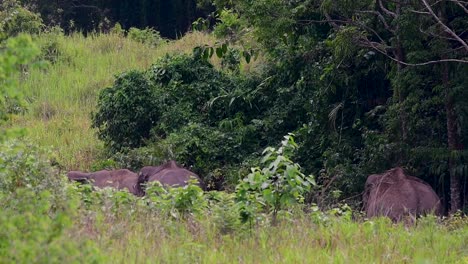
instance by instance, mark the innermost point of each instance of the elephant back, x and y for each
(126, 179)
(168, 174)
(175, 177)
(429, 201)
(396, 194)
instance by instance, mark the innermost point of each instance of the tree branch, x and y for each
(461, 5)
(386, 11)
(379, 15)
(330, 20)
(372, 45)
(445, 27)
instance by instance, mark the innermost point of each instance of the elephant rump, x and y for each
(397, 195)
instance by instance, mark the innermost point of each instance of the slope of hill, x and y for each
(62, 95)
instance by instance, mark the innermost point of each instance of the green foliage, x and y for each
(224, 211)
(25, 166)
(31, 230)
(38, 209)
(228, 26)
(361, 111)
(15, 19)
(14, 53)
(231, 60)
(276, 186)
(179, 118)
(50, 44)
(117, 30)
(176, 202)
(147, 36)
(126, 111)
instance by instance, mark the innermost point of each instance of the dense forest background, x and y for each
(170, 18)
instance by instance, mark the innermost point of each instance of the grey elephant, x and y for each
(169, 174)
(398, 195)
(119, 179)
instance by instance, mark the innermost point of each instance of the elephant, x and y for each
(119, 179)
(169, 175)
(397, 195)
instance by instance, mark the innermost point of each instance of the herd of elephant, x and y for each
(168, 174)
(394, 193)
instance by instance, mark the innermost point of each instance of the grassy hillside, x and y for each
(62, 95)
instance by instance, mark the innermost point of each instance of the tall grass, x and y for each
(62, 96)
(158, 240)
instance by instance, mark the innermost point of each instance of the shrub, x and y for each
(206, 149)
(14, 53)
(49, 42)
(224, 211)
(229, 24)
(33, 230)
(276, 186)
(37, 207)
(147, 36)
(23, 165)
(15, 19)
(117, 30)
(180, 202)
(231, 60)
(126, 111)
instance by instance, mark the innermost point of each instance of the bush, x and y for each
(126, 111)
(182, 108)
(276, 186)
(14, 53)
(32, 230)
(147, 36)
(229, 25)
(180, 202)
(37, 207)
(15, 19)
(231, 60)
(49, 42)
(224, 211)
(24, 165)
(176, 110)
(117, 30)
(207, 149)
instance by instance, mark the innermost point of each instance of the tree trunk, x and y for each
(400, 96)
(453, 140)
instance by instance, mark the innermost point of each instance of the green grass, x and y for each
(156, 240)
(62, 96)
